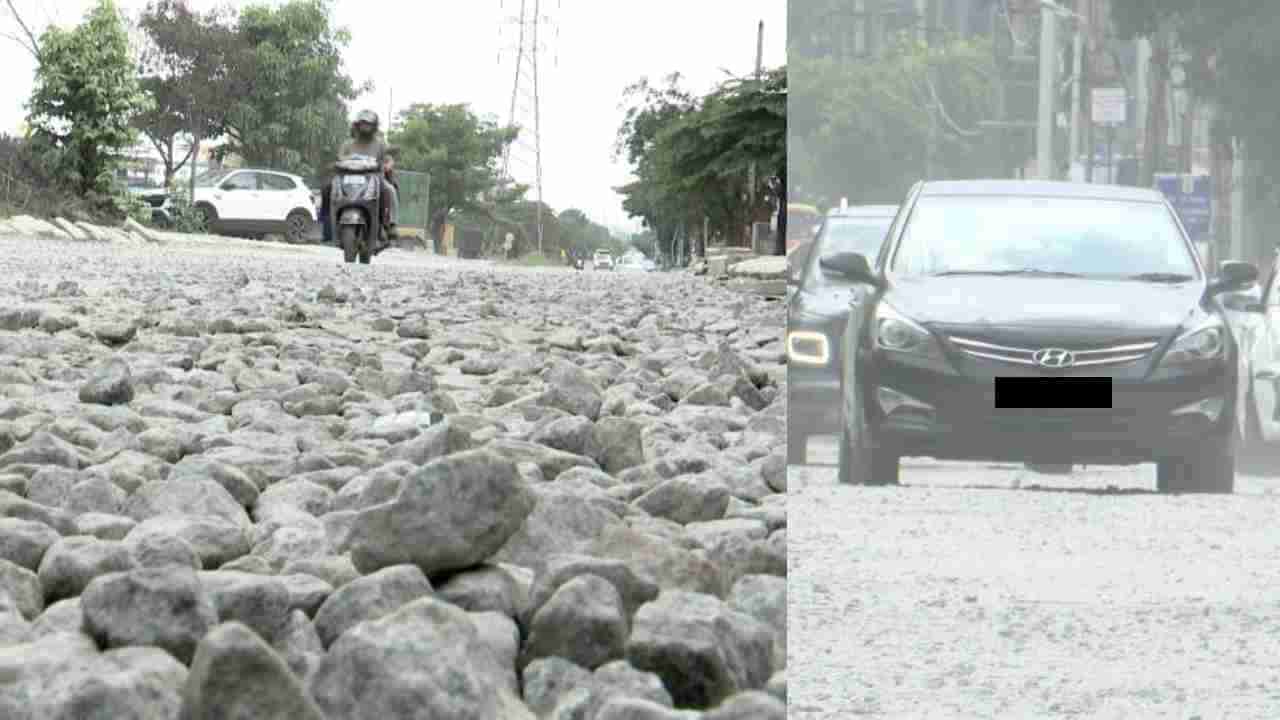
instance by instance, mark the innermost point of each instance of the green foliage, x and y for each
(293, 115)
(1235, 63)
(580, 234)
(692, 156)
(183, 216)
(86, 94)
(861, 130)
(194, 67)
(461, 152)
(131, 205)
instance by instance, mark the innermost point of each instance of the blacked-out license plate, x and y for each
(1049, 393)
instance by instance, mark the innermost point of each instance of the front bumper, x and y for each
(954, 417)
(813, 401)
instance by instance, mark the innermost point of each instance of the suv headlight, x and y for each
(896, 333)
(808, 347)
(1202, 345)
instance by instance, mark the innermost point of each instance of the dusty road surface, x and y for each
(245, 480)
(995, 592)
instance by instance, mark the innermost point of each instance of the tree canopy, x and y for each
(693, 156)
(194, 67)
(862, 130)
(461, 152)
(294, 114)
(86, 93)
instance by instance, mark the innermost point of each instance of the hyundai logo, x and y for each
(1054, 358)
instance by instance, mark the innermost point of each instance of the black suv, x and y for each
(1044, 323)
(815, 321)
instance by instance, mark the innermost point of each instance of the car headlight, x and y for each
(1205, 344)
(896, 333)
(808, 347)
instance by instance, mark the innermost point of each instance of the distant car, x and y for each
(156, 197)
(603, 260)
(1255, 317)
(1042, 322)
(256, 202)
(817, 307)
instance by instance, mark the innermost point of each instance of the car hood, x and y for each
(1045, 302)
(828, 302)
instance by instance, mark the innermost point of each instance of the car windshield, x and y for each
(212, 178)
(844, 235)
(1092, 238)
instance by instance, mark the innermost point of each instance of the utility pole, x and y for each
(751, 171)
(1048, 65)
(1077, 58)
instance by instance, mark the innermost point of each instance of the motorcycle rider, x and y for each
(392, 194)
(366, 141)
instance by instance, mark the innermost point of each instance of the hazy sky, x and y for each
(446, 52)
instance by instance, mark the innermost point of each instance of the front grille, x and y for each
(1084, 356)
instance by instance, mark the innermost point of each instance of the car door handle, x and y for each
(1266, 375)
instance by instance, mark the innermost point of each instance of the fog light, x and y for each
(891, 401)
(1209, 408)
(808, 348)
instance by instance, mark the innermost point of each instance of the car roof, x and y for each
(864, 211)
(1041, 188)
(265, 170)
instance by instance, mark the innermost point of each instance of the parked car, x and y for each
(1255, 316)
(1041, 322)
(603, 260)
(635, 263)
(815, 321)
(155, 196)
(255, 202)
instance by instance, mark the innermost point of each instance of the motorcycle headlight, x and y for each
(808, 347)
(371, 188)
(1203, 345)
(896, 333)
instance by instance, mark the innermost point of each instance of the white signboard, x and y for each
(1109, 106)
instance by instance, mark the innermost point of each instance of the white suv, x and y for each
(603, 260)
(248, 201)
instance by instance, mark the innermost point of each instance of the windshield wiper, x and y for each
(1161, 277)
(1002, 273)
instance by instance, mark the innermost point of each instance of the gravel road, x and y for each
(996, 592)
(244, 480)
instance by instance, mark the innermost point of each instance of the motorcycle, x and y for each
(355, 207)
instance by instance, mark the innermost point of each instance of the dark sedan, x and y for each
(1041, 322)
(815, 321)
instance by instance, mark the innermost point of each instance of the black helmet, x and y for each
(366, 117)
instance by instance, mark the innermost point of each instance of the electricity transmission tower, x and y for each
(525, 112)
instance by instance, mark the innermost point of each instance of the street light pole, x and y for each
(1077, 69)
(1048, 62)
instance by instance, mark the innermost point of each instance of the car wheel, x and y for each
(797, 447)
(862, 464)
(296, 226)
(1210, 469)
(208, 215)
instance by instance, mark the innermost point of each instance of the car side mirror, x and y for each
(852, 266)
(1233, 275)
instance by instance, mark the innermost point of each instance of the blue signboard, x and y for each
(1194, 208)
